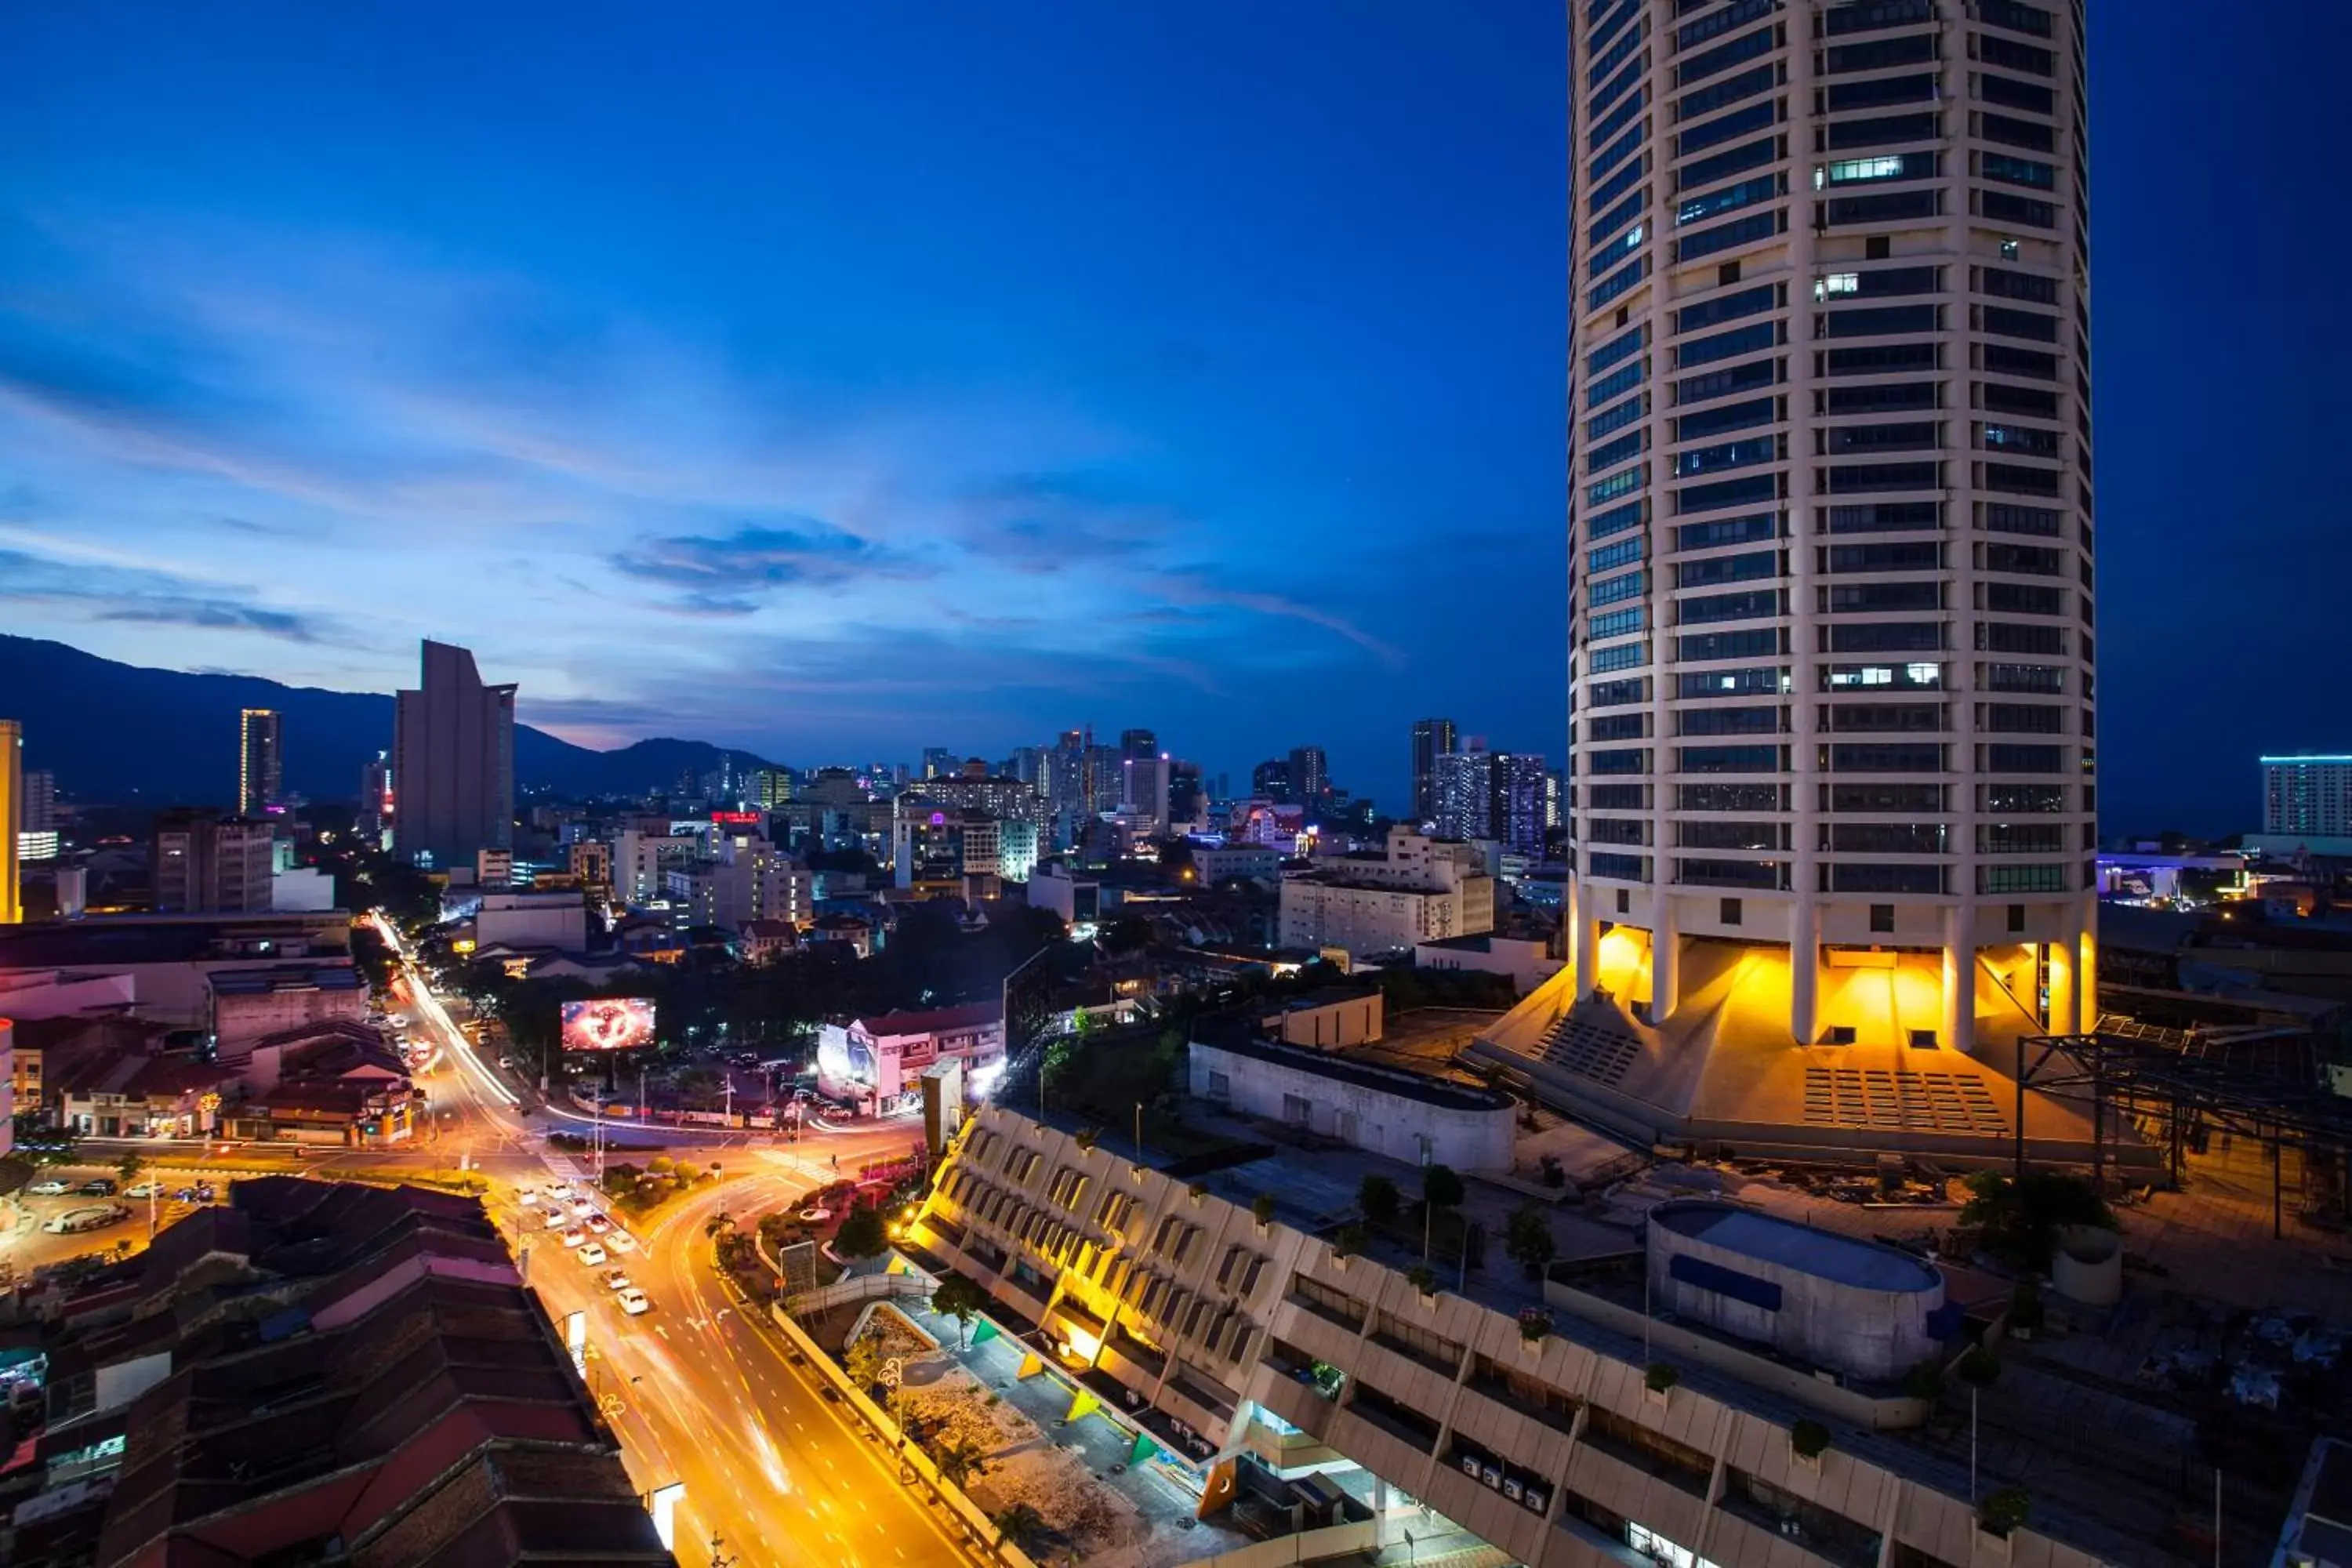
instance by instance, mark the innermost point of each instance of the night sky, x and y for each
(839, 381)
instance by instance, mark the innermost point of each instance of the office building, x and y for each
(11, 819)
(205, 863)
(939, 762)
(1188, 803)
(40, 809)
(2307, 796)
(1831, 641)
(1138, 743)
(1432, 739)
(453, 763)
(1144, 789)
(1310, 777)
(1271, 780)
(260, 760)
(1413, 889)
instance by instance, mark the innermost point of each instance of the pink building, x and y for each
(875, 1061)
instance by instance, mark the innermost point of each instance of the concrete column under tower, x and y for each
(1586, 937)
(2064, 959)
(1959, 1031)
(2086, 971)
(1666, 960)
(1804, 970)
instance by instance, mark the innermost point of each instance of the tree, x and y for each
(1349, 1241)
(862, 1234)
(1528, 1239)
(1810, 1438)
(960, 1460)
(863, 1360)
(2005, 1510)
(1422, 1278)
(1978, 1367)
(129, 1165)
(961, 1298)
(1441, 1188)
(720, 1224)
(2021, 1220)
(1377, 1197)
(1021, 1523)
(1262, 1208)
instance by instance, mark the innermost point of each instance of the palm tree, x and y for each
(960, 1461)
(1018, 1522)
(720, 1223)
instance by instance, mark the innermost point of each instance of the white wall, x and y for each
(1390, 1124)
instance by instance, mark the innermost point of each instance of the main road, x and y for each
(700, 1393)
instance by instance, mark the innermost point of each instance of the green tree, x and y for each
(863, 1233)
(959, 1297)
(1020, 1523)
(2021, 1220)
(720, 1224)
(1378, 1197)
(1262, 1208)
(959, 1460)
(1527, 1237)
(864, 1360)
(1441, 1188)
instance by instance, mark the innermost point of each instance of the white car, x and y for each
(583, 1207)
(633, 1302)
(527, 1196)
(575, 1236)
(593, 1255)
(616, 1279)
(149, 1189)
(598, 1224)
(621, 1241)
(52, 1187)
(556, 1219)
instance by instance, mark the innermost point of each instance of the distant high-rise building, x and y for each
(1462, 792)
(205, 863)
(1144, 789)
(940, 762)
(374, 819)
(453, 763)
(40, 813)
(1515, 816)
(1186, 809)
(2309, 794)
(260, 760)
(1432, 739)
(1027, 763)
(1830, 625)
(12, 819)
(1270, 780)
(1135, 743)
(769, 788)
(1310, 776)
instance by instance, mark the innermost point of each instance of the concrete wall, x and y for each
(1389, 1124)
(1334, 1026)
(1527, 962)
(520, 920)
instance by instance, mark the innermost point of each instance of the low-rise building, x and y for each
(1416, 889)
(1402, 1115)
(248, 1004)
(532, 920)
(877, 1061)
(1329, 1018)
(1527, 961)
(1214, 863)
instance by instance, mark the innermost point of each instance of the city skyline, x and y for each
(830, 515)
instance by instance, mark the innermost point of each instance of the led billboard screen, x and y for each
(608, 1024)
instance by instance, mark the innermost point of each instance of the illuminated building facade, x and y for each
(1832, 629)
(2309, 795)
(12, 819)
(260, 760)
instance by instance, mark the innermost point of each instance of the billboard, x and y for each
(608, 1024)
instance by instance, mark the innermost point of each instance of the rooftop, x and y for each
(1338, 1069)
(1823, 1254)
(968, 1015)
(286, 977)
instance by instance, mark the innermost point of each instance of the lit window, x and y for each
(1849, 171)
(1837, 283)
(2008, 250)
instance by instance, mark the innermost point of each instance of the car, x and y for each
(575, 1236)
(202, 1193)
(616, 1279)
(51, 1188)
(95, 1217)
(147, 1189)
(633, 1302)
(598, 1224)
(97, 1187)
(593, 1255)
(620, 1241)
(527, 1196)
(583, 1207)
(556, 1219)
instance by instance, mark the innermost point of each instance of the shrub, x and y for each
(2005, 1510)
(1422, 1278)
(1810, 1438)
(1534, 1323)
(1660, 1377)
(1378, 1197)
(1350, 1240)
(1925, 1381)
(1978, 1367)
(1262, 1208)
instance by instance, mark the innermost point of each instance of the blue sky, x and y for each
(841, 381)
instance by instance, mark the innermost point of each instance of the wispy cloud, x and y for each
(730, 573)
(136, 596)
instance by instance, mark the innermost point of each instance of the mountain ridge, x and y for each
(111, 731)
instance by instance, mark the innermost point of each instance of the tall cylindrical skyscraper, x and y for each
(1832, 516)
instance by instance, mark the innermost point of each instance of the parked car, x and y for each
(593, 1255)
(598, 1224)
(616, 1279)
(633, 1302)
(99, 1187)
(95, 1217)
(527, 1196)
(149, 1188)
(620, 1240)
(50, 1187)
(575, 1236)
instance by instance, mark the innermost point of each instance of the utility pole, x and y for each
(719, 1558)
